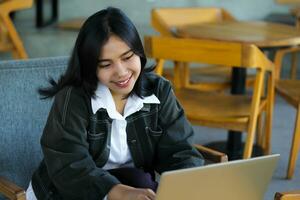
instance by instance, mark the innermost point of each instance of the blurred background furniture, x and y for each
(260, 33)
(167, 20)
(23, 117)
(72, 24)
(288, 2)
(40, 14)
(291, 195)
(10, 40)
(295, 12)
(221, 110)
(264, 35)
(42, 21)
(289, 89)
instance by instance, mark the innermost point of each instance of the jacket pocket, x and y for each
(150, 142)
(153, 133)
(96, 136)
(97, 143)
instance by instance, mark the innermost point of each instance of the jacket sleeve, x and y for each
(175, 150)
(65, 147)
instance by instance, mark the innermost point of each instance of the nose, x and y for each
(121, 69)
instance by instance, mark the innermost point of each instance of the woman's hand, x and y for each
(124, 192)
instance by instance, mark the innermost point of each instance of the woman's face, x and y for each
(119, 67)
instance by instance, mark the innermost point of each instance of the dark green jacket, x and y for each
(76, 143)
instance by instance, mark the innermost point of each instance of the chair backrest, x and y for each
(278, 61)
(207, 51)
(23, 114)
(165, 20)
(287, 87)
(225, 54)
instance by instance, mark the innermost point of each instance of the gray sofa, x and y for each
(23, 114)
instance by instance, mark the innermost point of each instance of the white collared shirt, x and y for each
(119, 152)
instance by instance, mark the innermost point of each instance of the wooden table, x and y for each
(290, 2)
(263, 34)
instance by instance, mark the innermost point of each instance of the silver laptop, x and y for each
(236, 180)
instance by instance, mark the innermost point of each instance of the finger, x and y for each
(147, 198)
(143, 197)
(150, 193)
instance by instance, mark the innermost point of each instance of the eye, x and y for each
(128, 57)
(103, 65)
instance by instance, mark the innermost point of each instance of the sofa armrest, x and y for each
(11, 190)
(211, 155)
(291, 195)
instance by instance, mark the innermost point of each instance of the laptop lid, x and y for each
(236, 180)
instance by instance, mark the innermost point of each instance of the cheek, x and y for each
(137, 65)
(102, 76)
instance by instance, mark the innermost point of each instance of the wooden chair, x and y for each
(289, 89)
(165, 20)
(295, 11)
(14, 192)
(288, 1)
(207, 78)
(10, 40)
(221, 110)
(291, 195)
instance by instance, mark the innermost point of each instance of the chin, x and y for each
(123, 92)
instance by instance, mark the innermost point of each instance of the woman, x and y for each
(113, 122)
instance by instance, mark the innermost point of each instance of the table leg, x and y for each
(40, 21)
(233, 147)
(234, 138)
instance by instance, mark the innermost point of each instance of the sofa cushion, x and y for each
(23, 114)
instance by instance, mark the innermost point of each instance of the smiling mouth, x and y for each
(123, 83)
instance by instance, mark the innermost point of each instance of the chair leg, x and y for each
(178, 72)
(259, 131)
(159, 67)
(295, 146)
(15, 38)
(269, 115)
(294, 66)
(268, 129)
(249, 141)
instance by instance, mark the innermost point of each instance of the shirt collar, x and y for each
(103, 99)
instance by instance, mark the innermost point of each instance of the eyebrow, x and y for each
(103, 60)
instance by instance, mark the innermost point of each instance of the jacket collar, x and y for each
(103, 99)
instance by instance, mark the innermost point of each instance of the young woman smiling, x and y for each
(113, 122)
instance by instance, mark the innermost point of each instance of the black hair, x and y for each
(83, 63)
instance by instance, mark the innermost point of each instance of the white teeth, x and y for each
(123, 82)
